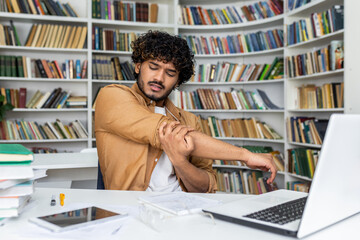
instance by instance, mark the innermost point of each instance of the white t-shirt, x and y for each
(163, 178)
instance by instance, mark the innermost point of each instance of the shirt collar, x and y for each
(168, 103)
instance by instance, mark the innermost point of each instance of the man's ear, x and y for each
(137, 67)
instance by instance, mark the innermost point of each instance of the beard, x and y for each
(141, 84)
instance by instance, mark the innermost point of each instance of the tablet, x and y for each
(73, 219)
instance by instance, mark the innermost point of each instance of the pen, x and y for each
(53, 201)
(62, 197)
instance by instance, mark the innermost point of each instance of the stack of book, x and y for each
(43, 7)
(16, 179)
(196, 15)
(125, 11)
(8, 35)
(57, 36)
(211, 99)
(241, 128)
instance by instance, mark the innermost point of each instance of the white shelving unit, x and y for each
(318, 79)
(280, 91)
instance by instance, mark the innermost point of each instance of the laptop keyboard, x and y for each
(282, 213)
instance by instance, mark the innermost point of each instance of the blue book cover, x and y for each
(254, 42)
(272, 40)
(78, 69)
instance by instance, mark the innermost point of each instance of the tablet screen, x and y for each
(78, 216)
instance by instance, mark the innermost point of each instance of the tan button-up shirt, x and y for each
(127, 140)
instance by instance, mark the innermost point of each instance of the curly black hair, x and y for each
(166, 48)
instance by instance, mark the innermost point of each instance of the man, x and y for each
(144, 142)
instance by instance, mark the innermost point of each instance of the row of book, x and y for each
(43, 150)
(39, 7)
(306, 129)
(277, 156)
(293, 4)
(57, 98)
(125, 11)
(317, 25)
(325, 59)
(243, 181)
(240, 43)
(234, 72)
(30, 130)
(211, 99)
(298, 186)
(303, 161)
(112, 39)
(9, 35)
(239, 127)
(22, 66)
(57, 36)
(196, 15)
(329, 95)
(110, 68)
(16, 179)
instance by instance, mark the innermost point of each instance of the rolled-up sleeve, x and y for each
(205, 164)
(121, 112)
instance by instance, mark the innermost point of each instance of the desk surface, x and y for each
(186, 227)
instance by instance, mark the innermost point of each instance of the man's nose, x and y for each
(160, 75)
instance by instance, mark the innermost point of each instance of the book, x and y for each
(15, 211)
(14, 152)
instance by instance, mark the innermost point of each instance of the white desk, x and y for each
(67, 169)
(185, 228)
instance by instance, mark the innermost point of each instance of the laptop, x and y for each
(334, 194)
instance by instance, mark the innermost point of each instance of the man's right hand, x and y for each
(175, 141)
(264, 162)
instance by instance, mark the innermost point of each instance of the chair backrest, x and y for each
(100, 181)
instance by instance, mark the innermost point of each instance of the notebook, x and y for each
(334, 184)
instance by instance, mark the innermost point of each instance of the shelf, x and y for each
(50, 110)
(44, 141)
(318, 75)
(272, 20)
(22, 48)
(43, 79)
(272, 81)
(271, 51)
(305, 145)
(110, 52)
(327, 37)
(114, 81)
(300, 177)
(318, 110)
(25, 17)
(131, 25)
(250, 139)
(233, 111)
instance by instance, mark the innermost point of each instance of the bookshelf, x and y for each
(281, 91)
(293, 109)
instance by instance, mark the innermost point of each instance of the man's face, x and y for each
(156, 79)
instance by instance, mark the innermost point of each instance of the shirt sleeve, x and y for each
(205, 164)
(123, 113)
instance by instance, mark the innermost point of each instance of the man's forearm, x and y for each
(194, 179)
(209, 147)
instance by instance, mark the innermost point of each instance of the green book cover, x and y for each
(6, 148)
(2, 66)
(8, 66)
(266, 68)
(13, 66)
(271, 68)
(20, 68)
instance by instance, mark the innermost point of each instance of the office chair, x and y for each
(100, 181)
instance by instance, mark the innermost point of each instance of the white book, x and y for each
(13, 202)
(178, 203)
(43, 100)
(82, 128)
(16, 172)
(15, 211)
(6, 183)
(53, 130)
(21, 189)
(236, 99)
